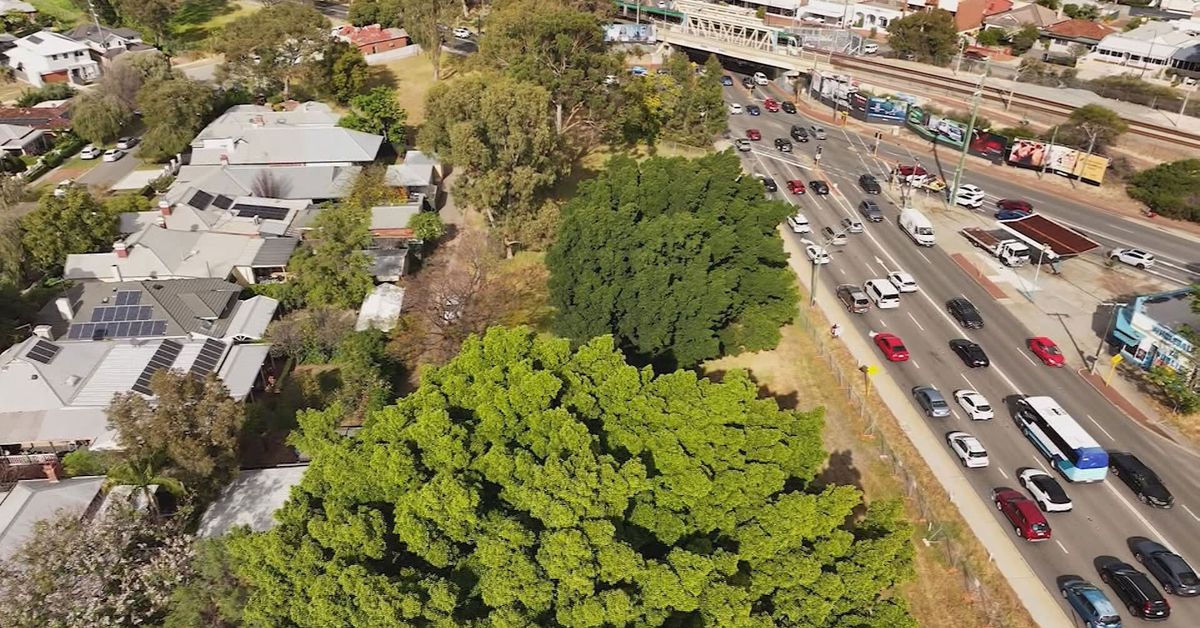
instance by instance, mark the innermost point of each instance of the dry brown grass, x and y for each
(412, 78)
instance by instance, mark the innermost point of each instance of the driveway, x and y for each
(105, 173)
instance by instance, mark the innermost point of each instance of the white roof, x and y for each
(250, 318)
(49, 43)
(1154, 39)
(393, 216)
(381, 308)
(31, 501)
(240, 368)
(241, 118)
(156, 253)
(250, 500)
(8, 6)
(408, 175)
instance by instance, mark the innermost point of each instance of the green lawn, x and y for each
(64, 11)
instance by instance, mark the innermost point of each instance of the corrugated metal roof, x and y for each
(31, 501)
(241, 367)
(274, 252)
(250, 500)
(250, 319)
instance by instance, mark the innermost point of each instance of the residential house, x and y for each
(1149, 330)
(47, 116)
(159, 253)
(311, 183)
(253, 135)
(1186, 62)
(48, 57)
(31, 501)
(418, 176)
(250, 500)
(373, 38)
(198, 210)
(23, 140)
(1180, 7)
(107, 43)
(392, 239)
(1151, 45)
(1061, 36)
(1029, 15)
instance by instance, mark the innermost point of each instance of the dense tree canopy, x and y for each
(62, 225)
(333, 270)
(680, 260)
(528, 484)
(271, 48)
(929, 36)
(1171, 189)
(378, 112)
(174, 111)
(98, 116)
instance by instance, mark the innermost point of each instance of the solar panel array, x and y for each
(222, 201)
(210, 355)
(163, 358)
(43, 351)
(122, 313)
(266, 212)
(129, 297)
(117, 329)
(201, 200)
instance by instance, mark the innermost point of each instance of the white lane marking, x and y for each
(841, 270)
(927, 260)
(1061, 546)
(1097, 424)
(914, 363)
(1189, 511)
(881, 322)
(1040, 466)
(1139, 517)
(1024, 355)
(914, 320)
(969, 384)
(1002, 472)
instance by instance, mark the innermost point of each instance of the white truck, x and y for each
(917, 226)
(999, 244)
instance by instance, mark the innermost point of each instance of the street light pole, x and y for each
(1112, 322)
(962, 158)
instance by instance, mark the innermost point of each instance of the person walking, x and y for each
(836, 330)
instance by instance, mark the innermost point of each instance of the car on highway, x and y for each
(753, 134)
(771, 105)
(965, 313)
(1045, 490)
(932, 403)
(747, 82)
(743, 144)
(90, 152)
(799, 223)
(1134, 257)
(1047, 351)
(1023, 515)
(760, 78)
(870, 210)
(1015, 205)
(1141, 479)
(113, 154)
(783, 145)
(974, 404)
(126, 143)
(1007, 215)
(892, 347)
(753, 110)
(727, 81)
(735, 109)
(799, 133)
(969, 450)
(816, 254)
(819, 187)
(970, 353)
(769, 184)
(851, 225)
(853, 298)
(1090, 603)
(795, 186)
(1134, 588)
(787, 107)
(817, 131)
(1170, 569)
(903, 281)
(836, 238)
(461, 33)
(970, 196)
(869, 184)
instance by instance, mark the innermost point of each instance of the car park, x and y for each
(965, 313)
(126, 143)
(753, 110)
(903, 281)
(727, 81)
(1015, 205)
(817, 254)
(1090, 603)
(836, 238)
(461, 33)
(1141, 479)
(771, 105)
(1134, 257)
(892, 347)
(735, 109)
(769, 184)
(970, 353)
(931, 401)
(799, 133)
(817, 132)
(869, 184)
(743, 144)
(760, 78)
(753, 134)
(113, 154)
(969, 450)
(783, 145)
(1045, 490)
(90, 152)
(1046, 351)
(1023, 515)
(853, 298)
(1134, 588)
(870, 210)
(969, 196)
(818, 187)
(795, 186)
(974, 404)
(1170, 569)
(787, 107)
(799, 223)
(851, 225)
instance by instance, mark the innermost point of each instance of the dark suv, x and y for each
(783, 145)
(970, 353)
(965, 313)
(1170, 569)
(1140, 478)
(870, 210)
(1135, 590)
(799, 133)
(869, 184)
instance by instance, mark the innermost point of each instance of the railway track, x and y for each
(1169, 135)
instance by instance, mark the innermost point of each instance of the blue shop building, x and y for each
(1146, 330)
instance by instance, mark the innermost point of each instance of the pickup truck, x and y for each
(999, 244)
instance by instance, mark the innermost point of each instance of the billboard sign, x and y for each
(1027, 153)
(947, 131)
(988, 145)
(630, 33)
(886, 109)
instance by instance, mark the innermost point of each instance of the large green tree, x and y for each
(386, 13)
(174, 111)
(152, 16)
(424, 21)
(528, 484)
(500, 135)
(1171, 189)
(98, 116)
(929, 36)
(378, 112)
(333, 270)
(61, 225)
(271, 48)
(679, 259)
(1091, 128)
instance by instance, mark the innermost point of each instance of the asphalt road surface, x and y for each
(1106, 514)
(106, 173)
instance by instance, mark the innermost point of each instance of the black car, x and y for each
(1135, 590)
(818, 187)
(1170, 569)
(870, 210)
(783, 145)
(1140, 478)
(769, 183)
(747, 82)
(970, 353)
(869, 184)
(727, 81)
(753, 110)
(799, 133)
(965, 313)
(787, 107)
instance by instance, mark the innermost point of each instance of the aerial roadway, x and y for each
(1105, 516)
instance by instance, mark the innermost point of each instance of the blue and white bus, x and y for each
(1061, 440)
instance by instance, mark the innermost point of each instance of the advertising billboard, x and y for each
(886, 110)
(1027, 153)
(630, 33)
(947, 131)
(988, 145)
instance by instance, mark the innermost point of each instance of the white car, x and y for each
(113, 154)
(903, 281)
(817, 132)
(1133, 257)
(974, 404)
(126, 143)
(89, 152)
(970, 196)
(1046, 491)
(870, 48)
(816, 254)
(968, 449)
(735, 109)
(611, 79)
(799, 224)
(851, 225)
(761, 79)
(461, 33)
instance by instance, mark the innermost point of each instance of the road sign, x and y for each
(1116, 359)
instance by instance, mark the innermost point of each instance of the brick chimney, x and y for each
(121, 250)
(51, 471)
(164, 207)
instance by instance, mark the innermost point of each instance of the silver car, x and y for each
(931, 401)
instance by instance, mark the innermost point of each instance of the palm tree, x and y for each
(141, 475)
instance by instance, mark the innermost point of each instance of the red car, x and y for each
(753, 134)
(892, 347)
(1015, 205)
(1046, 351)
(771, 105)
(1027, 521)
(795, 186)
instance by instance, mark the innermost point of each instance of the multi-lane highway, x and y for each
(1106, 514)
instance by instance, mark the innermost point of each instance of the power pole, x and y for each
(1186, 96)
(976, 98)
(1050, 149)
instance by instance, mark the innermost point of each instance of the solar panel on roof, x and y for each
(34, 39)
(222, 201)
(43, 351)
(210, 355)
(246, 210)
(201, 200)
(129, 297)
(117, 329)
(163, 358)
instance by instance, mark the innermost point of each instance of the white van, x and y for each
(917, 226)
(883, 293)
